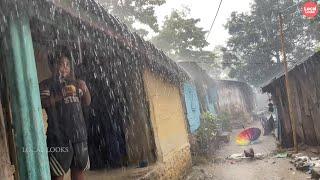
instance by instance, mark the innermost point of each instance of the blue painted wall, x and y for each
(192, 106)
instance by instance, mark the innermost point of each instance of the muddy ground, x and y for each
(268, 168)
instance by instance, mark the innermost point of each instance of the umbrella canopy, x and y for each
(248, 135)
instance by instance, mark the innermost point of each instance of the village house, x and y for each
(222, 96)
(204, 86)
(136, 120)
(304, 80)
(230, 101)
(236, 99)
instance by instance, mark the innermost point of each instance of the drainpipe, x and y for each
(25, 102)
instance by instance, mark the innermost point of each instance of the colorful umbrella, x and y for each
(247, 136)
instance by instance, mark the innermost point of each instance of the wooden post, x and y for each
(278, 97)
(80, 51)
(287, 85)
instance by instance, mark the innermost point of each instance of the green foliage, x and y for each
(207, 131)
(131, 11)
(210, 126)
(318, 48)
(180, 33)
(224, 120)
(253, 52)
(182, 39)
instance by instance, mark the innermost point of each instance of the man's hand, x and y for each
(86, 98)
(82, 85)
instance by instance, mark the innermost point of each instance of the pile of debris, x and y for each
(310, 165)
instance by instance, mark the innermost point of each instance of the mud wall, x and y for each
(174, 166)
(169, 126)
(6, 169)
(236, 99)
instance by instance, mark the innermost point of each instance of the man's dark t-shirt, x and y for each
(65, 118)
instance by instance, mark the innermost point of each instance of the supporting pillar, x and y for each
(25, 101)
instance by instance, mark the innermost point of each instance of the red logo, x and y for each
(310, 9)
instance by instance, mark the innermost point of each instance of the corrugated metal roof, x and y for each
(280, 75)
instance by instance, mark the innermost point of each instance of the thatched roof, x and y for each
(89, 21)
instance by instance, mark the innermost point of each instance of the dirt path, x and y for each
(268, 168)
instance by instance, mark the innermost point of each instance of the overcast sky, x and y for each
(206, 10)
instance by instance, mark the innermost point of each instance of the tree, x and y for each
(132, 11)
(182, 39)
(214, 66)
(253, 52)
(318, 48)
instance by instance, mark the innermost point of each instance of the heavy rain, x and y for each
(161, 89)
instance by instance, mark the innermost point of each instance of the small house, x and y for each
(304, 81)
(204, 86)
(236, 99)
(136, 119)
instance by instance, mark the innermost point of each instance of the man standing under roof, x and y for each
(63, 96)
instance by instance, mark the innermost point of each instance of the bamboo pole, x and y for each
(287, 85)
